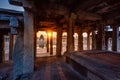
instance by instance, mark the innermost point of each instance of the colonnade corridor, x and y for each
(47, 68)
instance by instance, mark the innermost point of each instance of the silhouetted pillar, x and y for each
(35, 43)
(93, 40)
(11, 46)
(99, 37)
(80, 39)
(59, 41)
(114, 38)
(1, 48)
(51, 43)
(88, 41)
(70, 32)
(106, 42)
(23, 56)
(47, 45)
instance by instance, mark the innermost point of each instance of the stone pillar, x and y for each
(1, 48)
(93, 40)
(88, 41)
(28, 58)
(99, 40)
(59, 41)
(100, 36)
(106, 42)
(80, 40)
(23, 56)
(11, 43)
(51, 44)
(103, 37)
(18, 53)
(47, 45)
(70, 33)
(35, 43)
(114, 38)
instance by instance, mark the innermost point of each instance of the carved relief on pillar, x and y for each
(23, 55)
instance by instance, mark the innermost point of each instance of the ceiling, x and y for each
(85, 11)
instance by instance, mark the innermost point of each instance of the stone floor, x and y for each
(49, 68)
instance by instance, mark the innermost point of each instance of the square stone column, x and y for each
(1, 48)
(28, 58)
(51, 43)
(100, 45)
(11, 43)
(23, 55)
(93, 40)
(47, 45)
(59, 41)
(80, 40)
(88, 41)
(70, 33)
(114, 38)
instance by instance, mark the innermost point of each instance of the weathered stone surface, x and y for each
(28, 57)
(95, 65)
(23, 56)
(18, 53)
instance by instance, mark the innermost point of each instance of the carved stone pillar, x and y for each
(47, 45)
(35, 43)
(23, 56)
(114, 38)
(11, 46)
(100, 36)
(1, 48)
(93, 40)
(59, 41)
(80, 39)
(88, 41)
(18, 54)
(70, 33)
(28, 58)
(51, 44)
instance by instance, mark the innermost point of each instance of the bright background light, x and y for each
(84, 34)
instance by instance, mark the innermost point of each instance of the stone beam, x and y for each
(82, 15)
(15, 2)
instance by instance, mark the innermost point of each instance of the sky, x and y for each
(5, 4)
